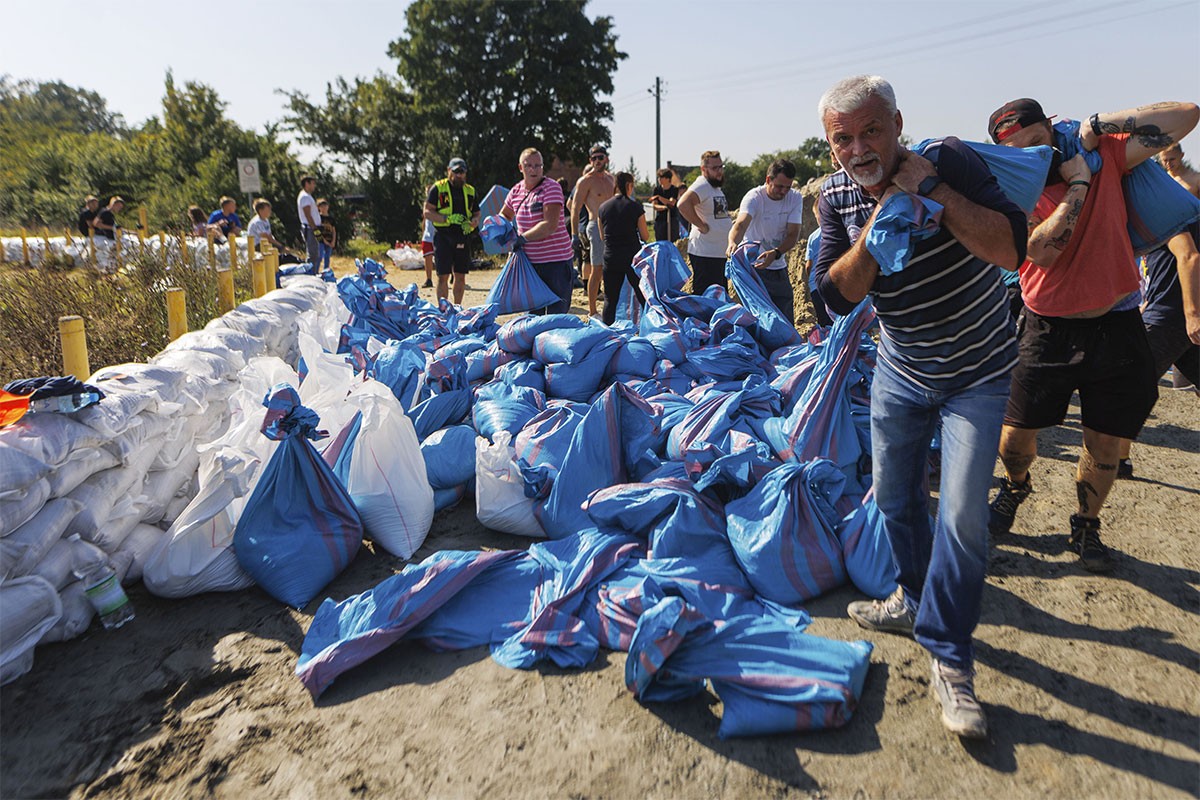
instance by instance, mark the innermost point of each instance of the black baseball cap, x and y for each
(456, 164)
(1022, 113)
(598, 149)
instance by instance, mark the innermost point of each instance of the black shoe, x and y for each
(577, 284)
(428, 284)
(1085, 540)
(1004, 508)
(1125, 469)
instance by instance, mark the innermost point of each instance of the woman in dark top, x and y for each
(623, 230)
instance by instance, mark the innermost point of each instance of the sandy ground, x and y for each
(1090, 684)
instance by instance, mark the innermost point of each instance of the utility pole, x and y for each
(657, 92)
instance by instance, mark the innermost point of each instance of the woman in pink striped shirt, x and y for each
(536, 204)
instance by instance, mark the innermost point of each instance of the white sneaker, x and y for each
(961, 713)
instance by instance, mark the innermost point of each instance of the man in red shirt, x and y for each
(1081, 329)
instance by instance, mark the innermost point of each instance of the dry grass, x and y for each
(125, 312)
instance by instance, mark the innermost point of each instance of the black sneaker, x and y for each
(428, 284)
(1125, 469)
(1085, 540)
(1003, 510)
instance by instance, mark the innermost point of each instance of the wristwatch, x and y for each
(778, 253)
(926, 187)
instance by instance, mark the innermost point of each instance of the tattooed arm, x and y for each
(1049, 237)
(1151, 128)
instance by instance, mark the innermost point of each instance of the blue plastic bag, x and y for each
(866, 550)
(517, 335)
(773, 329)
(449, 456)
(903, 220)
(518, 287)
(299, 528)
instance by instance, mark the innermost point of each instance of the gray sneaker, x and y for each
(890, 615)
(955, 689)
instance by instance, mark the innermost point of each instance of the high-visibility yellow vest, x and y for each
(446, 206)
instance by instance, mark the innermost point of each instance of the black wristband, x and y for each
(778, 253)
(1095, 120)
(1080, 183)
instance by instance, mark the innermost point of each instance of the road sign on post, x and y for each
(249, 178)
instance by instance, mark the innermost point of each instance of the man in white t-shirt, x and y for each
(770, 215)
(310, 218)
(705, 207)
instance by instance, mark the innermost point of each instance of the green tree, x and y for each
(370, 129)
(490, 78)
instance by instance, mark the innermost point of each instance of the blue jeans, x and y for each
(557, 275)
(324, 251)
(941, 568)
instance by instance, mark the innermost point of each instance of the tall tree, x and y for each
(369, 128)
(492, 78)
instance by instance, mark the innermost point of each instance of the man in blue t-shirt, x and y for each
(226, 218)
(946, 349)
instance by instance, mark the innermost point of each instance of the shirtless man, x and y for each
(1172, 160)
(592, 190)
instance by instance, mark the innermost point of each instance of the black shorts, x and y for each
(1106, 359)
(451, 254)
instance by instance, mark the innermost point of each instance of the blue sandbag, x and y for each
(716, 413)
(569, 345)
(517, 335)
(636, 356)
(490, 416)
(482, 364)
(497, 230)
(783, 532)
(541, 447)
(401, 367)
(773, 330)
(299, 528)
(771, 677)
(579, 382)
(449, 456)
(462, 346)
(613, 444)
(288, 270)
(727, 361)
(517, 287)
(523, 372)
(866, 550)
(448, 497)
(903, 220)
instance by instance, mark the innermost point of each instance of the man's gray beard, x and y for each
(876, 177)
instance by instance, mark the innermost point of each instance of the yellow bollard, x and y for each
(259, 275)
(142, 241)
(117, 246)
(74, 347)
(212, 250)
(176, 313)
(224, 290)
(143, 223)
(233, 252)
(249, 248)
(24, 249)
(272, 269)
(46, 242)
(92, 245)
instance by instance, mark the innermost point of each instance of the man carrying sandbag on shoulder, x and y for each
(946, 349)
(1081, 329)
(454, 211)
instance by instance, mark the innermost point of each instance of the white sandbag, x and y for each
(161, 486)
(207, 365)
(387, 479)
(326, 384)
(177, 444)
(81, 465)
(165, 382)
(114, 530)
(136, 549)
(28, 608)
(77, 614)
(220, 341)
(148, 431)
(196, 554)
(406, 257)
(16, 512)
(55, 566)
(18, 471)
(112, 415)
(500, 501)
(40, 533)
(50, 438)
(99, 493)
(11, 554)
(179, 502)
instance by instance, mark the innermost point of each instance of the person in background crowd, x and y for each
(704, 206)
(452, 207)
(260, 227)
(105, 222)
(812, 249)
(665, 201)
(593, 188)
(622, 229)
(771, 215)
(310, 217)
(1171, 314)
(1172, 161)
(91, 207)
(226, 218)
(1081, 330)
(427, 253)
(946, 349)
(328, 239)
(536, 204)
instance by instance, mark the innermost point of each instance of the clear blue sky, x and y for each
(741, 76)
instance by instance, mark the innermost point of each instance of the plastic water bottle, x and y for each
(100, 584)
(65, 404)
